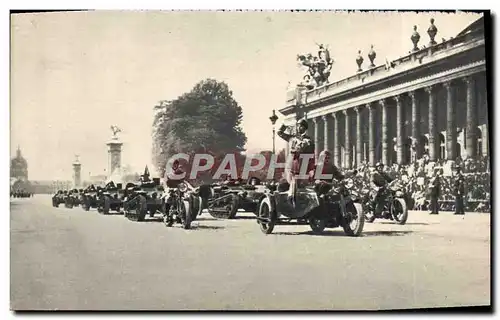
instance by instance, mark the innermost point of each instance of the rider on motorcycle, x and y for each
(379, 181)
(327, 166)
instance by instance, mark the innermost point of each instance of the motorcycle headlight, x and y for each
(154, 195)
(399, 193)
(182, 187)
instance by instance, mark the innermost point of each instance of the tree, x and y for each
(207, 119)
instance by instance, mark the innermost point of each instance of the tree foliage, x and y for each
(205, 120)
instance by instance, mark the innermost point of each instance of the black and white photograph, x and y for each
(250, 160)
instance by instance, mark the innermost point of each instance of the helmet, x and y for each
(379, 164)
(303, 122)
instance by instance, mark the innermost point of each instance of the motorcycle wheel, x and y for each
(186, 214)
(86, 206)
(317, 225)
(399, 211)
(265, 213)
(168, 221)
(195, 206)
(106, 205)
(235, 203)
(141, 208)
(354, 226)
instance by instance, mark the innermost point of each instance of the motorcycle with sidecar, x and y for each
(90, 198)
(111, 198)
(322, 205)
(394, 208)
(143, 198)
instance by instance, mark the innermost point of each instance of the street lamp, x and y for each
(273, 119)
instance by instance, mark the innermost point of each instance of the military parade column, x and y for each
(451, 131)
(471, 139)
(359, 136)
(348, 147)
(399, 130)
(371, 133)
(433, 143)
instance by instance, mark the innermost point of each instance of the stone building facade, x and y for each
(431, 101)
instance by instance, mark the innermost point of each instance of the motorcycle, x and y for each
(182, 204)
(322, 206)
(394, 208)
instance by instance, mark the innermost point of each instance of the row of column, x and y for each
(451, 127)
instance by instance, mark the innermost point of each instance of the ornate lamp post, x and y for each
(273, 119)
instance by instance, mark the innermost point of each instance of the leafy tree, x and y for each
(207, 119)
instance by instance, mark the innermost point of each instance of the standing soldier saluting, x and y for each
(300, 145)
(459, 192)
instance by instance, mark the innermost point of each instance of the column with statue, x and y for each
(77, 173)
(114, 151)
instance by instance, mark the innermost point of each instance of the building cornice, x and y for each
(420, 83)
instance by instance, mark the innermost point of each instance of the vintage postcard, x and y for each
(250, 160)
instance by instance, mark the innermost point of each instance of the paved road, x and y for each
(69, 259)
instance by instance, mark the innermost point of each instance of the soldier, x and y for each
(379, 181)
(459, 192)
(300, 144)
(434, 191)
(328, 167)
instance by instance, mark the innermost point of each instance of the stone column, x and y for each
(385, 133)
(326, 132)
(371, 133)
(347, 147)
(451, 127)
(359, 136)
(399, 130)
(471, 139)
(336, 144)
(433, 139)
(415, 127)
(316, 138)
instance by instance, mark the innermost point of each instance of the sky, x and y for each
(74, 74)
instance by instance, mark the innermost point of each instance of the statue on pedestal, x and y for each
(115, 131)
(319, 67)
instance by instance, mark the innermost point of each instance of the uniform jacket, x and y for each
(299, 144)
(380, 179)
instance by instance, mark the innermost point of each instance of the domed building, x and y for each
(19, 173)
(19, 166)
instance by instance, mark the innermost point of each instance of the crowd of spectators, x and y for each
(416, 177)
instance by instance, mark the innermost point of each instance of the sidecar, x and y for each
(90, 198)
(222, 201)
(143, 198)
(319, 206)
(111, 198)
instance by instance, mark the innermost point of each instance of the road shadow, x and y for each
(389, 233)
(204, 227)
(408, 223)
(244, 218)
(326, 233)
(206, 219)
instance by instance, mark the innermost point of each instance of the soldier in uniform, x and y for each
(459, 192)
(300, 144)
(379, 181)
(434, 191)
